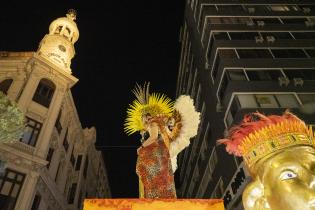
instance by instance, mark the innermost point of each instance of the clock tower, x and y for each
(58, 45)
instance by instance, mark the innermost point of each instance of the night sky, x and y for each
(121, 42)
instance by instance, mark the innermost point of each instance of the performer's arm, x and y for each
(154, 132)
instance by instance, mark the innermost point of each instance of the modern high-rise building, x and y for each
(240, 56)
(55, 164)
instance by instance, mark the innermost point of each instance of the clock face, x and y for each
(62, 48)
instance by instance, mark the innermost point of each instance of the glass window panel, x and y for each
(279, 8)
(227, 53)
(221, 36)
(15, 190)
(311, 52)
(19, 178)
(287, 101)
(304, 35)
(5, 85)
(236, 74)
(11, 175)
(305, 74)
(263, 75)
(288, 53)
(277, 35)
(307, 98)
(266, 101)
(267, 20)
(6, 188)
(230, 8)
(254, 53)
(293, 20)
(247, 101)
(243, 35)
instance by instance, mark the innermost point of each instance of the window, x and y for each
(311, 52)
(305, 74)
(254, 53)
(36, 202)
(220, 36)
(287, 101)
(276, 35)
(229, 20)
(294, 21)
(266, 101)
(231, 8)
(44, 92)
(78, 163)
(243, 35)
(307, 98)
(58, 124)
(263, 75)
(227, 53)
(49, 156)
(58, 29)
(31, 132)
(278, 8)
(262, 21)
(10, 185)
(71, 194)
(288, 53)
(65, 142)
(58, 171)
(236, 74)
(246, 101)
(5, 85)
(304, 35)
(86, 164)
(72, 159)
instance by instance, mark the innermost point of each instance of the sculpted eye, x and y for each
(285, 175)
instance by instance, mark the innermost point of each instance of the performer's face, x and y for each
(288, 179)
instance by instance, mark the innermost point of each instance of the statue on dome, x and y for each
(166, 128)
(279, 153)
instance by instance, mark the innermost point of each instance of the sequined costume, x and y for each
(155, 171)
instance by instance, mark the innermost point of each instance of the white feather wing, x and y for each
(190, 119)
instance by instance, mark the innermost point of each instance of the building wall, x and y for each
(238, 57)
(55, 165)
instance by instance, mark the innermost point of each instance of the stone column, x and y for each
(55, 161)
(28, 92)
(47, 128)
(27, 193)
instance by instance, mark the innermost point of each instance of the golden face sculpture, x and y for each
(284, 181)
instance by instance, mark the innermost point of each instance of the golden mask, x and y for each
(284, 181)
(279, 153)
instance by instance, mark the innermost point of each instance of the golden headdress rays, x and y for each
(146, 103)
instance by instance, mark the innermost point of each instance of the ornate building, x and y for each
(55, 164)
(239, 56)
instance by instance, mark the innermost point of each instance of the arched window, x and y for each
(44, 92)
(5, 85)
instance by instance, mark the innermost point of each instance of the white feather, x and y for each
(190, 119)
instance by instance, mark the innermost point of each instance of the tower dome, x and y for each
(58, 45)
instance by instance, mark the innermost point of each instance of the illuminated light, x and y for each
(153, 204)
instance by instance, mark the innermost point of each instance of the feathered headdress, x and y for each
(153, 104)
(259, 136)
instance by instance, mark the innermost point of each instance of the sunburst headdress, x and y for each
(153, 104)
(259, 136)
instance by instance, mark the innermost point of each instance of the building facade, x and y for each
(55, 164)
(239, 57)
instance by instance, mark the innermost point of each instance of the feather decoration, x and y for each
(190, 120)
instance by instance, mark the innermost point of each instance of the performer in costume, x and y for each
(279, 153)
(166, 128)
